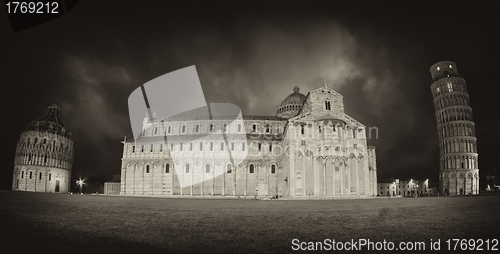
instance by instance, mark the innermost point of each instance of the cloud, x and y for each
(92, 112)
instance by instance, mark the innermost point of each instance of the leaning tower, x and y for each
(458, 171)
(44, 155)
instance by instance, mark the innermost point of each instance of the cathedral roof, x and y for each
(295, 98)
(50, 122)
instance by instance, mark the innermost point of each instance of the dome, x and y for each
(50, 122)
(291, 104)
(294, 98)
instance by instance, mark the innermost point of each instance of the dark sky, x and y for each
(377, 54)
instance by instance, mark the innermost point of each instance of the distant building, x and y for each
(405, 187)
(44, 155)
(459, 172)
(113, 187)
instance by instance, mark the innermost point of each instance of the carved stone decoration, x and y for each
(320, 159)
(218, 163)
(309, 125)
(352, 156)
(298, 153)
(360, 156)
(309, 153)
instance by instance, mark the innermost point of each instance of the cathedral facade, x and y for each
(44, 155)
(310, 149)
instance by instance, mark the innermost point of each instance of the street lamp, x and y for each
(80, 183)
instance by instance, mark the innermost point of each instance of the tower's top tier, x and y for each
(444, 69)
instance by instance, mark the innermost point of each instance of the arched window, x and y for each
(239, 127)
(168, 131)
(228, 168)
(224, 128)
(207, 168)
(197, 128)
(184, 129)
(45, 159)
(267, 128)
(29, 140)
(133, 149)
(251, 168)
(142, 148)
(156, 130)
(319, 129)
(260, 146)
(44, 141)
(254, 128)
(167, 168)
(36, 140)
(273, 169)
(302, 129)
(211, 129)
(187, 168)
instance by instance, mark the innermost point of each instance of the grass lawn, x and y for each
(63, 223)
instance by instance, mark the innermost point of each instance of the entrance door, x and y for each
(261, 188)
(57, 185)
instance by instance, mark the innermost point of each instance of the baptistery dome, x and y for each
(44, 155)
(291, 104)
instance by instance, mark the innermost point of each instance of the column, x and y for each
(342, 184)
(316, 176)
(304, 187)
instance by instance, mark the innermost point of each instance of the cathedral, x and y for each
(311, 149)
(44, 155)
